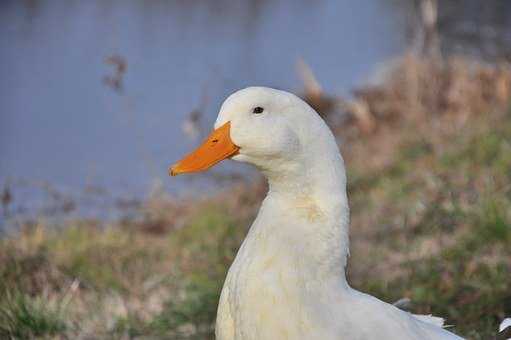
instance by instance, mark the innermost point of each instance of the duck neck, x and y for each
(314, 190)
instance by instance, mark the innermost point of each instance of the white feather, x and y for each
(505, 324)
(434, 320)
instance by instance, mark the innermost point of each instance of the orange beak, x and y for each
(217, 147)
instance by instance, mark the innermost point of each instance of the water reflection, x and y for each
(61, 124)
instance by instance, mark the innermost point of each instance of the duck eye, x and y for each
(258, 110)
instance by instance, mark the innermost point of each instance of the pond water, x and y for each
(61, 124)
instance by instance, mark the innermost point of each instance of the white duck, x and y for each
(288, 279)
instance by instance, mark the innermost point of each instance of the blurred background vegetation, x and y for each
(97, 98)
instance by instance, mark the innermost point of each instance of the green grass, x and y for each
(23, 317)
(193, 315)
(454, 200)
(130, 283)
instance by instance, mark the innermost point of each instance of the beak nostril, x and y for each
(214, 141)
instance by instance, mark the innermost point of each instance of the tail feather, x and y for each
(434, 320)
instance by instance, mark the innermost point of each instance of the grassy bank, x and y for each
(430, 193)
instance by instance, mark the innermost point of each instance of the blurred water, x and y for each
(59, 123)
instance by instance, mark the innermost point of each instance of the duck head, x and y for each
(274, 130)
